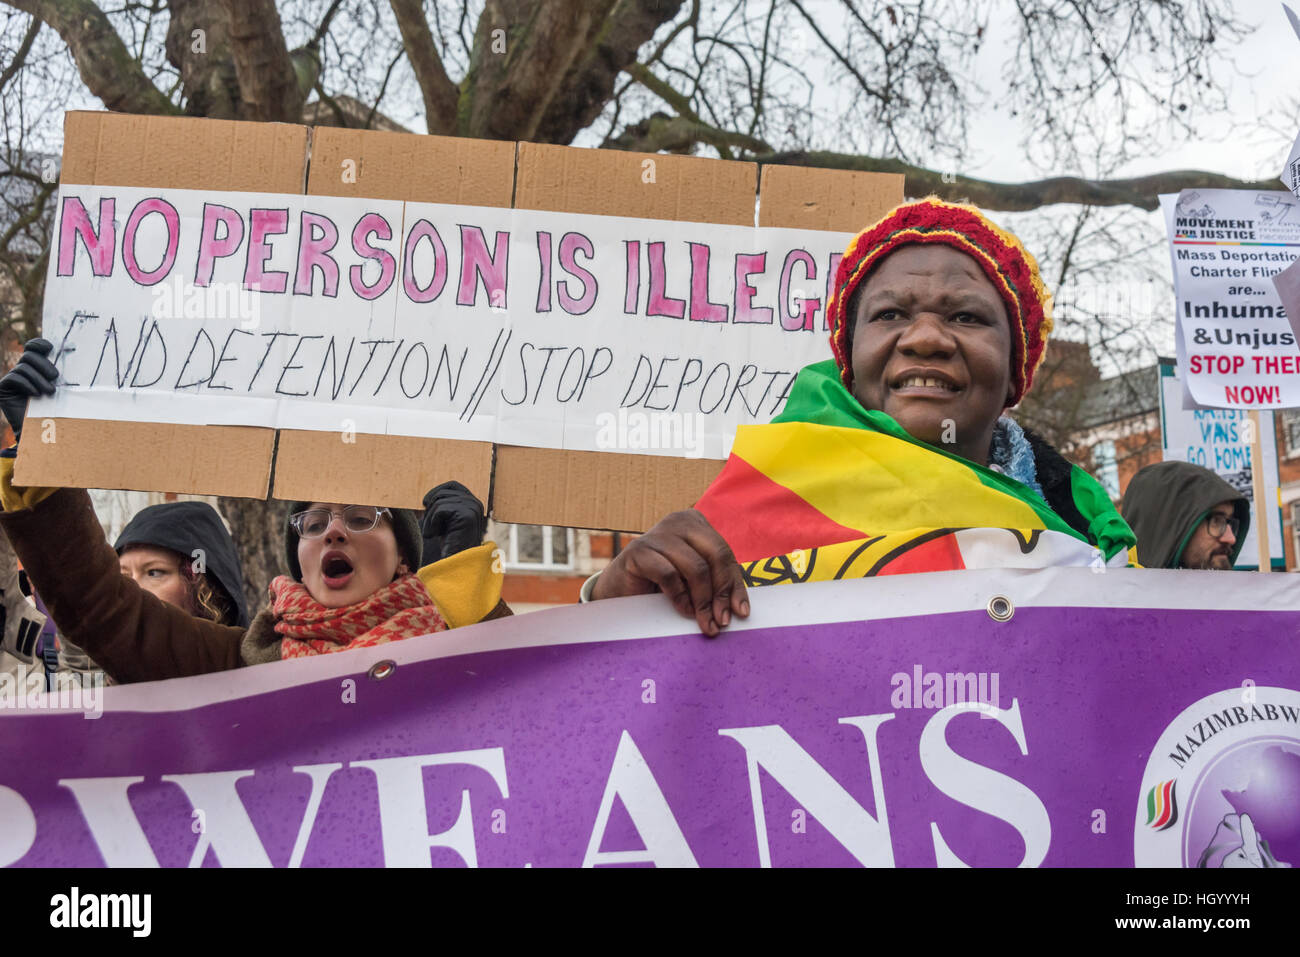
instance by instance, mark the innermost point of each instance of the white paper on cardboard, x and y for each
(1235, 345)
(517, 326)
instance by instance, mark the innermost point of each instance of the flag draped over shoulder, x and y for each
(832, 490)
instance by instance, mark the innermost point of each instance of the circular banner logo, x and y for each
(1222, 785)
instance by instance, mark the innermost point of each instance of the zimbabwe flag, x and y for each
(831, 490)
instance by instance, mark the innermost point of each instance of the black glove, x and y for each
(33, 375)
(453, 521)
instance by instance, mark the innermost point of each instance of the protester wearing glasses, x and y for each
(355, 577)
(351, 584)
(1185, 516)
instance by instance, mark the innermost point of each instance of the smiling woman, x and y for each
(895, 456)
(930, 345)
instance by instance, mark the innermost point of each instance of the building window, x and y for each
(1107, 467)
(538, 547)
(1291, 431)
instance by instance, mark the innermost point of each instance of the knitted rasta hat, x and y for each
(1012, 270)
(406, 529)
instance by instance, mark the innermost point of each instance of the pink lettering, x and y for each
(702, 309)
(632, 287)
(213, 247)
(660, 304)
(544, 283)
(424, 230)
(314, 253)
(802, 315)
(74, 224)
(476, 262)
(570, 245)
(749, 264)
(172, 219)
(831, 271)
(372, 223)
(264, 223)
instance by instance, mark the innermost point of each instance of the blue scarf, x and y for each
(1011, 455)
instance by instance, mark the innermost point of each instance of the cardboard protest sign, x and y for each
(1291, 172)
(1235, 346)
(632, 492)
(426, 319)
(380, 307)
(1221, 440)
(183, 153)
(873, 722)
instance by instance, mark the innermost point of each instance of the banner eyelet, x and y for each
(1000, 608)
(382, 669)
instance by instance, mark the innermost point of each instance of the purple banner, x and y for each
(1118, 718)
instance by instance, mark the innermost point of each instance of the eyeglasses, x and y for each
(1216, 522)
(314, 522)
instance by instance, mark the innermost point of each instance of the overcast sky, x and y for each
(1262, 79)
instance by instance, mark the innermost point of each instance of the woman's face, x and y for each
(159, 570)
(342, 567)
(932, 348)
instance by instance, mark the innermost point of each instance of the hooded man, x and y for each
(1185, 516)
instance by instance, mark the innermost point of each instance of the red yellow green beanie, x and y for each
(1011, 269)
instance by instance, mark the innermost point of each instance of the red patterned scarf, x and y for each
(401, 609)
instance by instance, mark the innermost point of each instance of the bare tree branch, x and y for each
(105, 64)
(339, 114)
(33, 213)
(20, 57)
(440, 94)
(383, 88)
(630, 25)
(679, 134)
(1139, 191)
(324, 27)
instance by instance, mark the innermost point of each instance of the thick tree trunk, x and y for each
(198, 45)
(267, 81)
(258, 530)
(544, 71)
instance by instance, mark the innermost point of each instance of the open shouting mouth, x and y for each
(336, 569)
